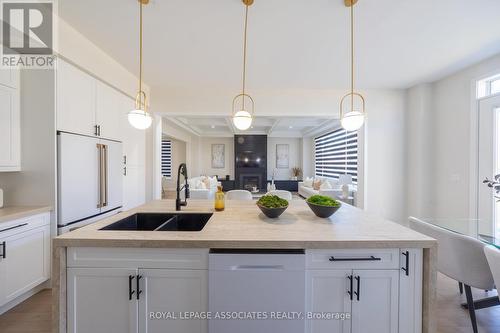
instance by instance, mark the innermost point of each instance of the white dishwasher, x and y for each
(256, 291)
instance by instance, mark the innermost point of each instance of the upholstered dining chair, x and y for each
(239, 195)
(493, 257)
(461, 258)
(287, 195)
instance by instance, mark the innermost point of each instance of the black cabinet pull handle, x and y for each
(96, 133)
(130, 291)
(138, 289)
(357, 292)
(14, 227)
(371, 258)
(407, 264)
(349, 292)
(4, 249)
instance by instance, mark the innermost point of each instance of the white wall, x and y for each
(295, 157)
(452, 106)
(206, 157)
(420, 151)
(35, 184)
(441, 138)
(307, 157)
(384, 155)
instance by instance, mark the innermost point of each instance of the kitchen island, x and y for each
(349, 247)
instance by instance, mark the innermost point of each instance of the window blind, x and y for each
(166, 158)
(336, 153)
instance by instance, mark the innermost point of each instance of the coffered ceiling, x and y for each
(271, 126)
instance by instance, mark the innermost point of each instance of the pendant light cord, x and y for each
(245, 55)
(141, 94)
(352, 55)
(140, 46)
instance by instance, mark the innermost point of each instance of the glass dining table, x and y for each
(480, 229)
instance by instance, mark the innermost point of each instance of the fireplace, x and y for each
(250, 152)
(248, 181)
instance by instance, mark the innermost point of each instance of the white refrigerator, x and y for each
(90, 185)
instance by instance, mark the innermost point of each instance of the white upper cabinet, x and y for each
(108, 111)
(10, 121)
(75, 98)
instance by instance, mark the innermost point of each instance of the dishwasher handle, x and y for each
(258, 267)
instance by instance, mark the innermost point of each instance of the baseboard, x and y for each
(6, 307)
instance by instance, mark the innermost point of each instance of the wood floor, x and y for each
(34, 314)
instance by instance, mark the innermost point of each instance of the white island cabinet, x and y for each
(369, 285)
(130, 290)
(147, 290)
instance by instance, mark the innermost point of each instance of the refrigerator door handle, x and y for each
(105, 174)
(99, 175)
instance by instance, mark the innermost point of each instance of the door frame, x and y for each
(474, 150)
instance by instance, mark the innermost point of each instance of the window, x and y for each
(488, 86)
(166, 158)
(336, 153)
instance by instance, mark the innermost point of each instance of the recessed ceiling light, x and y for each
(290, 127)
(212, 126)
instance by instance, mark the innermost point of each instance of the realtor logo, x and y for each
(28, 34)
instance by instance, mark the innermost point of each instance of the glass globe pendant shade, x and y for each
(242, 120)
(352, 120)
(140, 119)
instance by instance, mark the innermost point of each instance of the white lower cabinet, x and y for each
(122, 290)
(384, 300)
(375, 301)
(135, 299)
(98, 300)
(24, 256)
(327, 293)
(173, 291)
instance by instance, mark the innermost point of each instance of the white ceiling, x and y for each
(271, 126)
(299, 44)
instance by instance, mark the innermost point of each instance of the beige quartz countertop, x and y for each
(242, 225)
(9, 213)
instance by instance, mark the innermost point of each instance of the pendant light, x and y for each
(352, 119)
(139, 117)
(242, 115)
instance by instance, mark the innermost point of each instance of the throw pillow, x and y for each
(326, 185)
(317, 184)
(206, 182)
(308, 182)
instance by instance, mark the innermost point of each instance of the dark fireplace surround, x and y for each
(250, 153)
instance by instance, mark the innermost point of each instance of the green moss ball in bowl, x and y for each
(272, 206)
(323, 206)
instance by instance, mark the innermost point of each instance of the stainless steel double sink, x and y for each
(161, 222)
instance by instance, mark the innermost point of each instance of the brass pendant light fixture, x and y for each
(139, 117)
(243, 116)
(352, 119)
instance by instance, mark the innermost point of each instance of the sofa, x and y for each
(306, 188)
(202, 187)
